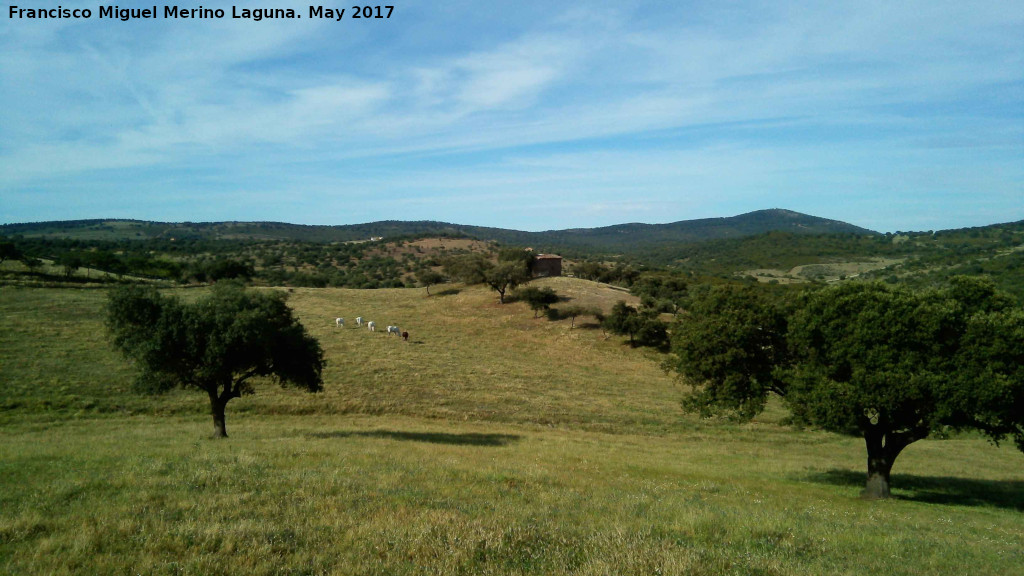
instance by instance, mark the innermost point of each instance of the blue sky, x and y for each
(525, 115)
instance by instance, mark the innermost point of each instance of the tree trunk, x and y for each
(879, 465)
(877, 486)
(883, 448)
(217, 409)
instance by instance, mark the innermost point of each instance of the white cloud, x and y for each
(513, 75)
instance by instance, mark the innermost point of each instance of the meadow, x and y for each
(490, 443)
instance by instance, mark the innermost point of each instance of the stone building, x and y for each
(547, 265)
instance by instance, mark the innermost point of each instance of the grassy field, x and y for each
(491, 443)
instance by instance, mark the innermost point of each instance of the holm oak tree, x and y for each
(887, 364)
(218, 344)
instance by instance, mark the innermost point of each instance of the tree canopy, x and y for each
(9, 250)
(507, 274)
(504, 276)
(642, 326)
(729, 344)
(428, 277)
(574, 310)
(888, 364)
(538, 298)
(218, 344)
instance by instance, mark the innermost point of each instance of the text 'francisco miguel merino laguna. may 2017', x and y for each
(200, 12)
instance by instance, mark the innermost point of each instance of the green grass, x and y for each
(56, 361)
(492, 443)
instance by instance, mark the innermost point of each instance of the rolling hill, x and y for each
(767, 245)
(606, 239)
(489, 443)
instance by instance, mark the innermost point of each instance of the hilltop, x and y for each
(776, 245)
(604, 239)
(386, 254)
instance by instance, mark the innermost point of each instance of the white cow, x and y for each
(339, 322)
(359, 320)
(394, 330)
(371, 326)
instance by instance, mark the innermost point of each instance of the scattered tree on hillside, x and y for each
(221, 269)
(642, 327)
(887, 364)
(106, 261)
(653, 332)
(466, 268)
(70, 262)
(524, 257)
(661, 291)
(589, 270)
(622, 274)
(623, 320)
(9, 251)
(33, 264)
(538, 298)
(428, 277)
(504, 276)
(477, 269)
(218, 344)
(573, 311)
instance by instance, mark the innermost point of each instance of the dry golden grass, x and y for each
(470, 358)
(431, 244)
(491, 443)
(430, 247)
(586, 293)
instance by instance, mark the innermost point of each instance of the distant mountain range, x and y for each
(779, 246)
(605, 239)
(687, 231)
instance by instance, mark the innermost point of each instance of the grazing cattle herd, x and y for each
(372, 327)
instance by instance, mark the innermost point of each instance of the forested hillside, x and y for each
(610, 239)
(768, 246)
(916, 258)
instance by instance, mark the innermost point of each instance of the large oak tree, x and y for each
(887, 364)
(218, 344)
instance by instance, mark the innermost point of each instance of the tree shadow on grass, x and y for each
(447, 292)
(937, 489)
(470, 439)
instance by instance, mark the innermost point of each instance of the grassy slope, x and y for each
(490, 443)
(470, 358)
